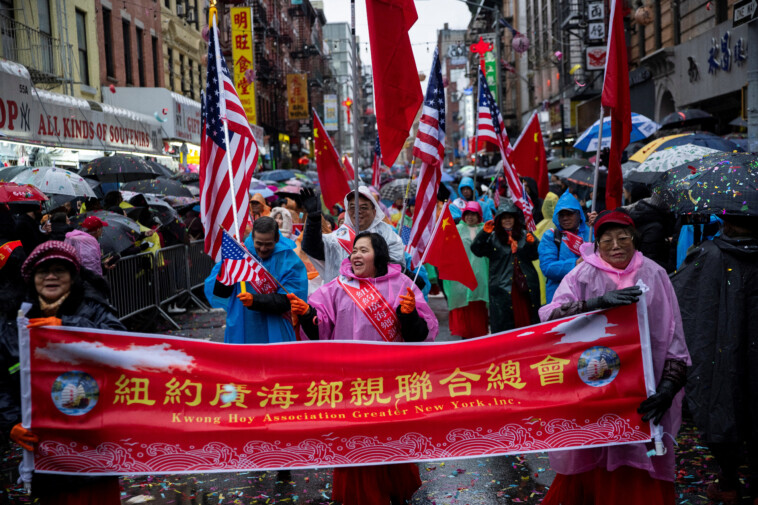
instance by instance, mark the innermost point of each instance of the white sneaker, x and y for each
(174, 309)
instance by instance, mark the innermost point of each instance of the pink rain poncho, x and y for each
(339, 318)
(592, 278)
(88, 249)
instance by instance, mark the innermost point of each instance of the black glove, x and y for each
(310, 201)
(657, 405)
(626, 296)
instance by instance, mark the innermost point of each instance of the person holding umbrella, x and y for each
(717, 291)
(85, 241)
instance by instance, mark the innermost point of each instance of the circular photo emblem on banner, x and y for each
(75, 393)
(598, 366)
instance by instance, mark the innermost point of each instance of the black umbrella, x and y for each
(186, 177)
(396, 189)
(119, 235)
(118, 168)
(160, 169)
(686, 117)
(716, 184)
(8, 173)
(159, 186)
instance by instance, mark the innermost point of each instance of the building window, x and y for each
(81, 38)
(182, 79)
(140, 59)
(46, 62)
(192, 87)
(167, 3)
(125, 27)
(170, 69)
(108, 42)
(156, 67)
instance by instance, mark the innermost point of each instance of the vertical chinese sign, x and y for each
(297, 96)
(331, 121)
(117, 402)
(243, 56)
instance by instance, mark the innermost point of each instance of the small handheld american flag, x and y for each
(238, 264)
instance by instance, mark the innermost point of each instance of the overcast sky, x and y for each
(432, 16)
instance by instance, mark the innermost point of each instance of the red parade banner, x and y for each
(108, 402)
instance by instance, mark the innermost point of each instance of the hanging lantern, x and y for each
(520, 43)
(643, 15)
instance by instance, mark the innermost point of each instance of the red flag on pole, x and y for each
(331, 176)
(447, 253)
(348, 168)
(397, 89)
(528, 156)
(616, 97)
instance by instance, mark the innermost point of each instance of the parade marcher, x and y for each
(559, 246)
(333, 248)
(85, 241)
(255, 317)
(608, 277)
(513, 283)
(717, 288)
(468, 192)
(258, 207)
(468, 316)
(61, 293)
(653, 221)
(337, 312)
(548, 208)
(283, 218)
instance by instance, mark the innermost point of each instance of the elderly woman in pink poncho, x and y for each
(370, 300)
(607, 277)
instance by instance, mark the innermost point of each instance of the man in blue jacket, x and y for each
(256, 318)
(468, 192)
(559, 246)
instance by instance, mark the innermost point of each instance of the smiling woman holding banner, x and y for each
(609, 276)
(371, 300)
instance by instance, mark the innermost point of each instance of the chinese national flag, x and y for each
(348, 168)
(528, 155)
(616, 97)
(397, 89)
(331, 176)
(447, 253)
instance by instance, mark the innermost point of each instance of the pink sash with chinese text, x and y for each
(572, 241)
(374, 307)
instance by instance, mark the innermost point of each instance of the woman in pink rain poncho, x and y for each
(608, 276)
(396, 312)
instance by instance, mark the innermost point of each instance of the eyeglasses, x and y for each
(363, 209)
(622, 241)
(56, 271)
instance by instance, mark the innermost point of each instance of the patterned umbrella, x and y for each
(12, 192)
(118, 168)
(642, 128)
(160, 169)
(702, 139)
(722, 183)
(56, 181)
(186, 177)
(159, 186)
(8, 173)
(396, 189)
(276, 175)
(666, 159)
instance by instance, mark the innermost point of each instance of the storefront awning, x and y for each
(179, 116)
(37, 116)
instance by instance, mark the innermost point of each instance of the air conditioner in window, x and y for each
(190, 17)
(180, 10)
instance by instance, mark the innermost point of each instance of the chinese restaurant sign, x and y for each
(242, 54)
(112, 402)
(297, 96)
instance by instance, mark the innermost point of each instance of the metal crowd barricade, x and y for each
(150, 280)
(132, 284)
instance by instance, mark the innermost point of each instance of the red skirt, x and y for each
(522, 308)
(375, 485)
(469, 321)
(623, 486)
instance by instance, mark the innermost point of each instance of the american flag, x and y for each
(238, 264)
(405, 229)
(430, 148)
(490, 128)
(376, 177)
(218, 201)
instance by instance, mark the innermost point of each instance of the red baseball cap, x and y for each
(613, 216)
(93, 223)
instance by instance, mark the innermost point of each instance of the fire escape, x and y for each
(306, 51)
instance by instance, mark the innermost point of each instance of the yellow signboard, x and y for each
(242, 54)
(297, 96)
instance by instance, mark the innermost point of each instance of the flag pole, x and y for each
(431, 241)
(405, 199)
(597, 159)
(355, 116)
(476, 128)
(226, 140)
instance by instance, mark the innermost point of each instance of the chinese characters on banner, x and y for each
(331, 120)
(243, 56)
(113, 402)
(297, 96)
